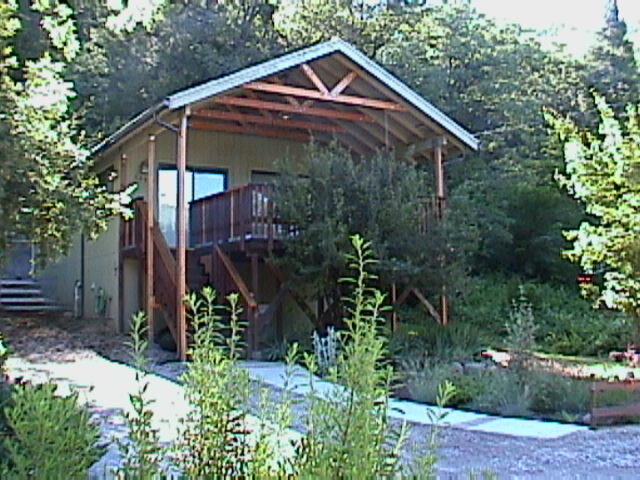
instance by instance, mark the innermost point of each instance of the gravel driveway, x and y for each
(41, 344)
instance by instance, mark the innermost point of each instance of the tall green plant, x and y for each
(348, 432)
(52, 437)
(142, 452)
(214, 439)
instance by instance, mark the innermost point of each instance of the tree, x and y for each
(387, 200)
(602, 171)
(47, 190)
(612, 69)
(126, 67)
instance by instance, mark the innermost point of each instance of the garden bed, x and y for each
(548, 389)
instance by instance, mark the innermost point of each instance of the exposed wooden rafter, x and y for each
(283, 107)
(343, 84)
(247, 119)
(261, 131)
(327, 97)
(311, 75)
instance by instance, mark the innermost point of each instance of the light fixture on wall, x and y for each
(144, 168)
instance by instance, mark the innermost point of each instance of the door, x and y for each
(199, 183)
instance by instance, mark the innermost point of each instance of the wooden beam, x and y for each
(236, 278)
(428, 144)
(316, 95)
(363, 138)
(385, 119)
(430, 308)
(263, 132)
(343, 84)
(262, 111)
(283, 107)
(271, 310)
(273, 121)
(415, 113)
(313, 76)
(297, 298)
(438, 166)
(151, 200)
(181, 229)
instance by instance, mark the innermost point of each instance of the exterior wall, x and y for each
(58, 279)
(238, 155)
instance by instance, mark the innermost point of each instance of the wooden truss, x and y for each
(279, 109)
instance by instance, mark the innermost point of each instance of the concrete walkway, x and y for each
(275, 374)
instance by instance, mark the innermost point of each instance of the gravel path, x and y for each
(45, 346)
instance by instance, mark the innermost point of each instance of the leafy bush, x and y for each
(52, 437)
(424, 337)
(567, 323)
(423, 379)
(555, 393)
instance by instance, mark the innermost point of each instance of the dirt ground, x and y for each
(608, 453)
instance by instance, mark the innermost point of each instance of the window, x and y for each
(198, 184)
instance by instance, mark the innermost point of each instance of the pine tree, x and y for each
(612, 70)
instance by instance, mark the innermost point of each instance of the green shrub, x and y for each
(502, 392)
(567, 323)
(457, 341)
(555, 393)
(52, 437)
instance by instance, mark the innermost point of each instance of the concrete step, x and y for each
(32, 308)
(18, 283)
(24, 295)
(20, 292)
(23, 300)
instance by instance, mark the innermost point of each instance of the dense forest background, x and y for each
(495, 80)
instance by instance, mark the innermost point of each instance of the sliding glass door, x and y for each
(199, 183)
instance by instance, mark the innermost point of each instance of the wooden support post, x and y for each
(440, 205)
(120, 324)
(151, 200)
(181, 229)
(255, 286)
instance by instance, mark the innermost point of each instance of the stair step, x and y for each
(31, 308)
(22, 300)
(22, 292)
(13, 283)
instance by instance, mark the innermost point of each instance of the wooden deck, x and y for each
(239, 216)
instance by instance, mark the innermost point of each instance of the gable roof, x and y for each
(285, 62)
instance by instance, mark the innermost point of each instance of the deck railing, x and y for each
(240, 214)
(133, 229)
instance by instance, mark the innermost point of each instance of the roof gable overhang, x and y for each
(326, 91)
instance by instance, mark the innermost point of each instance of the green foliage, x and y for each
(348, 434)
(47, 191)
(611, 66)
(521, 331)
(419, 335)
(567, 324)
(52, 437)
(603, 172)
(195, 41)
(141, 451)
(424, 377)
(332, 196)
(214, 440)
